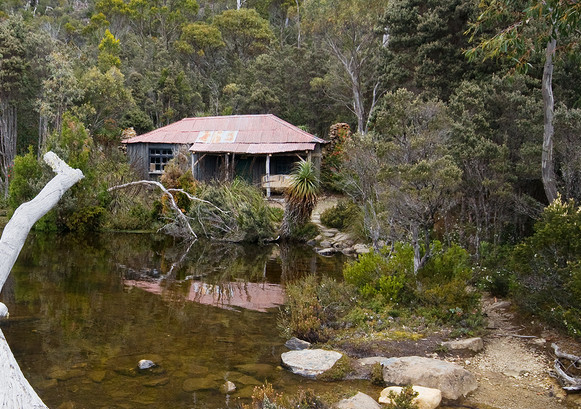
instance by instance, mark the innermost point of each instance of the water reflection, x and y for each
(85, 310)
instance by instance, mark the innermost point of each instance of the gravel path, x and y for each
(513, 370)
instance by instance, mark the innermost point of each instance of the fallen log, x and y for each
(15, 391)
(571, 383)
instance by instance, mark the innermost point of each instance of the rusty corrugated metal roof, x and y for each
(253, 134)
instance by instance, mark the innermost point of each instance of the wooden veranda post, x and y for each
(268, 175)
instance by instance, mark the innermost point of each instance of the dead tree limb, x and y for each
(572, 383)
(15, 391)
(180, 216)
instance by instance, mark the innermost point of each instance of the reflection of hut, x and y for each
(250, 296)
(259, 148)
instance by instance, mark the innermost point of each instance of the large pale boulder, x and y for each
(310, 362)
(428, 398)
(471, 344)
(359, 401)
(453, 380)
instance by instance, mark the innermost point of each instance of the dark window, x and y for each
(158, 158)
(283, 165)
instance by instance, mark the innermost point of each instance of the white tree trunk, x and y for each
(548, 166)
(15, 391)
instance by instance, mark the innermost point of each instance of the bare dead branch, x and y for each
(572, 383)
(180, 216)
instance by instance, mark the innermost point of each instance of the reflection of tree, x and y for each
(297, 261)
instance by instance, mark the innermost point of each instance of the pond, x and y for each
(85, 310)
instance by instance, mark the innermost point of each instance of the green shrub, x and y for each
(237, 213)
(376, 275)
(313, 306)
(305, 232)
(404, 399)
(25, 179)
(85, 219)
(340, 216)
(547, 267)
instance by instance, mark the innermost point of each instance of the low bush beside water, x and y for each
(381, 293)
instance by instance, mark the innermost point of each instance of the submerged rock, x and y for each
(359, 401)
(260, 370)
(310, 362)
(65, 374)
(297, 344)
(428, 398)
(453, 380)
(152, 383)
(197, 384)
(97, 376)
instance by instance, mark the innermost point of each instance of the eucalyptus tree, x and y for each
(493, 142)
(347, 31)
(424, 51)
(13, 68)
(526, 30)
(59, 91)
(415, 180)
(245, 33)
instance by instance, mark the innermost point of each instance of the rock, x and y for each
(156, 382)
(97, 376)
(3, 311)
(319, 238)
(472, 344)
(539, 341)
(428, 398)
(131, 372)
(245, 379)
(453, 380)
(64, 374)
(228, 387)
(361, 248)
(372, 360)
(260, 370)
(197, 384)
(297, 344)
(348, 250)
(326, 244)
(327, 251)
(197, 370)
(310, 362)
(359, 401)
(145, 364)
(499, 304)
(343, 239)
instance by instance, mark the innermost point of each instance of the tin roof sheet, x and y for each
(236, 133)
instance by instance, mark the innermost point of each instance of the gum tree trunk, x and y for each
(15, 391)
(548, 166)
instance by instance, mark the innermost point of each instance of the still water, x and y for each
(85, 310)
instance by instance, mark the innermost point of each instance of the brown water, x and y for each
(85, 310)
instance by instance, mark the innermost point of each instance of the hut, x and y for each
(261, 149)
